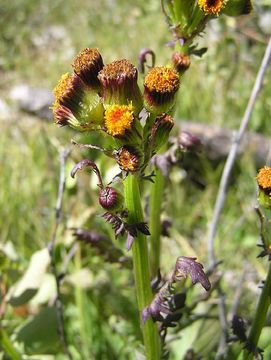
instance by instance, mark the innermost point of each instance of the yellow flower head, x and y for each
(69, 91)
(160, 87)
(211, 7)
(162, 80)
(118, 119)
(264, 178)
(63, 87)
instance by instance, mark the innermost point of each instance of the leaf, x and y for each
(32, 279)
(39, 334)
(189, 266)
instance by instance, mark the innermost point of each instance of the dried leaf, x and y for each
(189, 266)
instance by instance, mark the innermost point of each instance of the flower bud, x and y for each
(189, 142)
(160, 87)
(87, 65)
(160, 131)
(238, 7)
(63, 116)
(211, 7)
(128, 159)
(264, 183)
(110, 199)
(77, 106)
(181, 62)
(119, 85)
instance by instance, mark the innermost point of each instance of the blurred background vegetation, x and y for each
(38, 42)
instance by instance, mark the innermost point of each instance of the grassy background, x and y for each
(38, 41)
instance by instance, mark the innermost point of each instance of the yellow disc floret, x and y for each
(63, 87)
(162, 80)
(118, 119)
(211, 7)
(264, 178)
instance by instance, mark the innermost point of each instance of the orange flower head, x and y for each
(118, 119)
(87, 65)
(264, 178)
(160, 87)
(264, 182)
(211, 7)
(162, 80)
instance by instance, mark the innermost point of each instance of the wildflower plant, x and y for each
(135, 124)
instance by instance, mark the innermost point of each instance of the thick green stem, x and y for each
(260, 316)
(141, 266)
(157, 190)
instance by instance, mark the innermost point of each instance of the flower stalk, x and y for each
(157, 190)
(259, 318)
(141, 266)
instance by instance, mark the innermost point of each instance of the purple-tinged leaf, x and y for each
(189, 266)
(87, 163)
(129, 241)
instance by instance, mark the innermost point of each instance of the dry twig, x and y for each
(64, 153)
(221, 195)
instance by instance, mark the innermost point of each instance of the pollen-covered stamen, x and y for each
(87, 65)
(211, 7)
(118, 119)
(128, 159)
(264, 178)
(69, 91)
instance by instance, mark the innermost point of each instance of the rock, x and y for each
(4, 109)
(34, 100)
(265, 22)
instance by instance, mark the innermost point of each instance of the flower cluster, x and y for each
(107, 98)
(188, 19)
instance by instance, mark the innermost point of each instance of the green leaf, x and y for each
(39, 334)
(32, 279)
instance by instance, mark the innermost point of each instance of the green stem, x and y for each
(260, 316)
(141, 266)
(157, 190)
(8, 347)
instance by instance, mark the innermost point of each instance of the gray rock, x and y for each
(4, 109)
(34, 100)
(265, 22)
